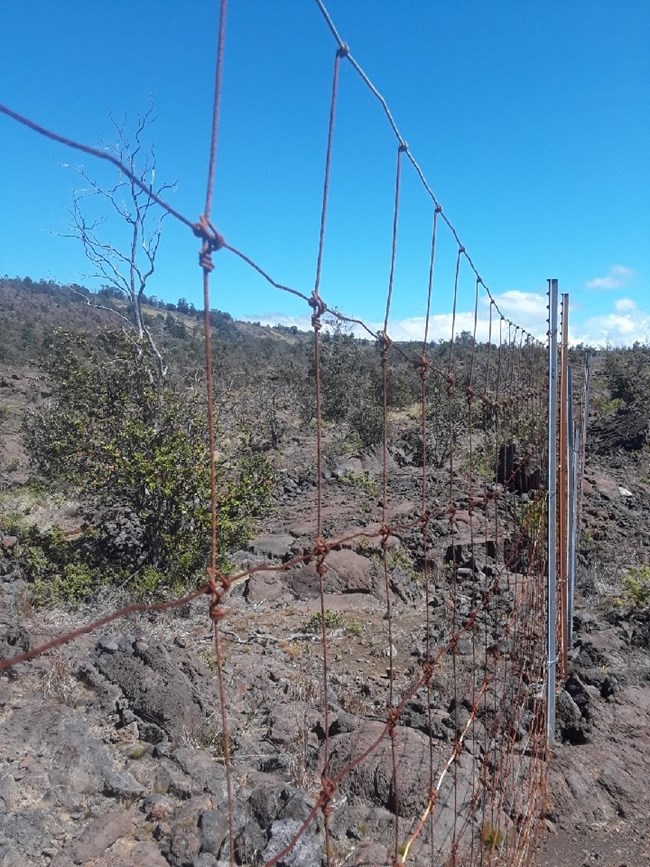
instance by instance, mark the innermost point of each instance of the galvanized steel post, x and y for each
(551, 584)
(563, 489)
(572, 507)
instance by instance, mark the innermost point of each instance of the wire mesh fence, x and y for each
(456, 755)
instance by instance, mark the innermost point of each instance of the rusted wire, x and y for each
(39, 650)
(104, 155)
(393, 253)
(319, 308)
(212, 241)
(425, 509)
(385, 345)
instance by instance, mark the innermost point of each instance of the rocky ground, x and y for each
(599, 798)
(112, 749)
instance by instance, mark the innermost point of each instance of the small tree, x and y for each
(126, 271)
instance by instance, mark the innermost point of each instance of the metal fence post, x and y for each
(574, 446)
(563, 482)
(551, 585)
(586, 396)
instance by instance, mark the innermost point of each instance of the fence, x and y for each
(466, 785)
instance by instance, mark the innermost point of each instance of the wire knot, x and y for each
(217, 611)
(327, 789)
(321, 548)
(451, 381)
(217, 587)
(212, 241)
(385, 344)
(319, 307)
(205, 260)
(344, 50)
(204, 229)
(393, 717)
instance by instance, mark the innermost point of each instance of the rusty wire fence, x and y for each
(477, 797)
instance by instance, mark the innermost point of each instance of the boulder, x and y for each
(347, 572)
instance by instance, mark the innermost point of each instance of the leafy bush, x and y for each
(368, 423)
(55, 566)
(134, 450)
(333, 620)
(397, 558)
(363, 481)
(636, 589)
(627, 373)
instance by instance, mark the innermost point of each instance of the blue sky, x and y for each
(531, 123)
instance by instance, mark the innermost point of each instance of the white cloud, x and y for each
(529, 310)
(520, 306)
(617, 277)
(524, 309)
(440, 326)
(624, 325)
(617, 329)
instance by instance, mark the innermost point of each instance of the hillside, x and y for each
(112, 746)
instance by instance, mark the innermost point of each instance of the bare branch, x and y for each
(131, 198)
(96, 306)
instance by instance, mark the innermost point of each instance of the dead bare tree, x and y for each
(125, 268)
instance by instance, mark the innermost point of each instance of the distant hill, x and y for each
(30, 311)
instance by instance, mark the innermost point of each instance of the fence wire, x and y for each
(478, 800)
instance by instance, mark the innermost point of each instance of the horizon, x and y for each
(300, 324)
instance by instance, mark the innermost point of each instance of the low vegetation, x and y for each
(131, 448)
(105, 429)
(636, 589)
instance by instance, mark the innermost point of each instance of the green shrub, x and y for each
(397, 558)
(74, 585)
(333, 620)
(368, 424)
(491, 837)
(133, 450)
(354, 627)
(364, 481)
(627, 374)
(636, 589)
(54, 567)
